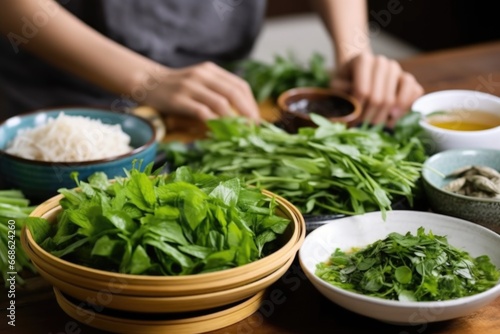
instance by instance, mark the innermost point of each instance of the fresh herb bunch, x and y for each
(183, 223)
(422, 267)
(14, 208)
(270, 80)
(323, 170)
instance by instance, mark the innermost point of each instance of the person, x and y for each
(168, 54)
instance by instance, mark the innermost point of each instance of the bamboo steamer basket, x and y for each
(126, 323)
(149, 304)
(167, 286)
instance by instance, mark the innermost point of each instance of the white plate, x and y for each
(362, 230)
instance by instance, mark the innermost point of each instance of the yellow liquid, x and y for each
(465, 120)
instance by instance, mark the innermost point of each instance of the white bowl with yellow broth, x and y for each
(458, 119)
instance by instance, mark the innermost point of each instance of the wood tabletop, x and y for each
(301, 309)
(475, 67)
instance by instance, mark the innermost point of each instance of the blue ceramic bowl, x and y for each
(40, 180)
(483, 211)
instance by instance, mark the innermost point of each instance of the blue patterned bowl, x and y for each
(40, 180)
(483, 211)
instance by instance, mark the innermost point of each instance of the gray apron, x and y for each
(175, 33)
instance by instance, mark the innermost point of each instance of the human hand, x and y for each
(383, 89)
(203, 91)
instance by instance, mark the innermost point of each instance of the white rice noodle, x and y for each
(70, 139)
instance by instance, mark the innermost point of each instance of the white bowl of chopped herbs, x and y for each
(411, 268)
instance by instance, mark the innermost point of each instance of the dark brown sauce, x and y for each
(329, 107)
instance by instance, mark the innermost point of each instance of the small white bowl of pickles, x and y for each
(456, 119)
(408, 268)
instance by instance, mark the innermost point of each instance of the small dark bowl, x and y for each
(40, 180)
(296, 104)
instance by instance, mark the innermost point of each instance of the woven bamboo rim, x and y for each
(105, 298)
(174, 285)
(189, 325)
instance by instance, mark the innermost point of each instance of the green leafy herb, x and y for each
(270, 80)
(181, 223)
(14, 208)
(321, 170)
(422, 267)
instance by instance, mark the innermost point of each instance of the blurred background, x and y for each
(399, 28)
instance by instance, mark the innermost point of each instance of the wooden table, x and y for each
(476, 67)
(302, 309)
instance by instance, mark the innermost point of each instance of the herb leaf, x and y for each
(182, 223)
(422, 267)
(269, 80)
(321, 170)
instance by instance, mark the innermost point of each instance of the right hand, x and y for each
(383, 88)
(203, 91)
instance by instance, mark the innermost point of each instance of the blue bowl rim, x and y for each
(135, 151)
(458, 152)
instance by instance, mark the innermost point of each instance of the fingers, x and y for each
(190, 107)
(385, 99)
(205, 91)
(341, 84)
(384, 90)
(408, 91)
(233, 92)
(362, 77)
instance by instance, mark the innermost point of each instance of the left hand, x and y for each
(383, 89)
